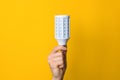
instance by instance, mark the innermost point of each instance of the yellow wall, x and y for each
(27, 37)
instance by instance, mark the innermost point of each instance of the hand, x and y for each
(57, 62)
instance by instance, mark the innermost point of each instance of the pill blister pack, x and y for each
(62, 27)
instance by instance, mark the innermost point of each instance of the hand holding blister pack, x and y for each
(62, 29)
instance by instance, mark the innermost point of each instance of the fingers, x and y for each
(59, 48)
(57, 60)
(58, 54)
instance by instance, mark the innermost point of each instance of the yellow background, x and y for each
(27, 37)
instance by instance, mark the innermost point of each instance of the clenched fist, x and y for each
(57, 62)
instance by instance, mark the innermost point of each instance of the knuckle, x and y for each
(61, 66)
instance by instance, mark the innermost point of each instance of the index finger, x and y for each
(59, 48)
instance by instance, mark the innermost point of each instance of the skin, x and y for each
(57, 62)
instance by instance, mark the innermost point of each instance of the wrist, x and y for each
(57, 78)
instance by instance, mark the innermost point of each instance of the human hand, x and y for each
(57, 62)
